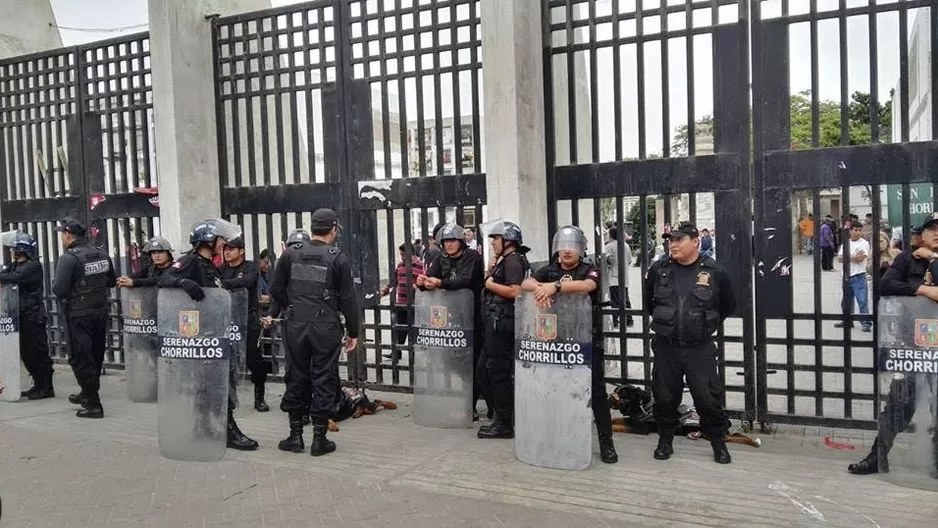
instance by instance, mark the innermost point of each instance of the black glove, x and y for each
(193, 289)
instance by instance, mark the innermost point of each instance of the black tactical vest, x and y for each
(312, 289)
(498, 275)
(31, 298)
(686, 316)
(89, 289)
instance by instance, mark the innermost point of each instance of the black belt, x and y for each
(679, 342)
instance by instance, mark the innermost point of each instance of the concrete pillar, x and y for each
(27, 26)
(184, 109)
(514, 119)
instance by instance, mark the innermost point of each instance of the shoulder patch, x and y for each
(177, 264)
(334, 250)
(593, 272)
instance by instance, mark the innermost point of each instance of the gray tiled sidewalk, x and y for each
(59, 471)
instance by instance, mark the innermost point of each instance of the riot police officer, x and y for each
(313, 281)
(82, 280)
(456, 269)
(912, 274)
(237, 272)
(688, 296)
(194, 271)
(502, 287)
(160, 253)
(568, 272)
(25, 271)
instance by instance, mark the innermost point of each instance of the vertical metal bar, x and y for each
(263, 93)
(550, 154)
(278, 103)
(571, 87)
(476, 63)
(616, 88)
(386, 101)
(249, 95)
(815, 83)
(874, 76)
(457, 97)
(437, 93)
(594, 94)
(646, 259)
(904, 73)
(640, 77)
(665, 86)
(294, 99)
(691, 101)
(308, 79)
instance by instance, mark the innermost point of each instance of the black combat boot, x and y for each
(42, 390)
(91, 407)
(607, 450)
(665, 446)
(259, 404)
(868, 465)
(34, 388)
(721, 455)
(237, 439)
(77, 399)
(500, 428)
(294, 443)
(321, 445)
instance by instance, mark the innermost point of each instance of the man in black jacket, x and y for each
(160, 252)
(236, 273)
(25, 271)
(456, 269)
(83, 278)
(194, 271)
(911, 274)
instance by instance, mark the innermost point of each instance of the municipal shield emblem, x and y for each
(136, 310)
(189, 323)
(926, 333)
(547, 327)
(438, 316)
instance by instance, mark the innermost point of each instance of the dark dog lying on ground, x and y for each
(636, 406)
(353, 403)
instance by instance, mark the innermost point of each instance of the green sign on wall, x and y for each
(921, 200)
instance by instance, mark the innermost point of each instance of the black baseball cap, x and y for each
(71, 225)
(915, 230)
(683, 229)
(237, 242)
(325, 219)
(929, 221)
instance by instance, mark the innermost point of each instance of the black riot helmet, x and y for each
(206, 231)
(298, 236)
(451, 231)
(158, 243)
(509, 231)
(20, 242)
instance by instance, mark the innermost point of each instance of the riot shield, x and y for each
(908, 378)
(193, 374)
(238, 336)
(141, 345)
(443, 366)
(10, 342)
(553, 374)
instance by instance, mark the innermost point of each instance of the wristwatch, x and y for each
(557, 285)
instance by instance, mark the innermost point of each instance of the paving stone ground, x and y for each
(59, 471)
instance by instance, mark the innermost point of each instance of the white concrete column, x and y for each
(27, 26)
(184, 109)
(513, 111)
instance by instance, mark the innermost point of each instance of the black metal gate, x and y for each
(795, 366)
(75, 140)
(587, 40)
(809, 370)
(314, 110)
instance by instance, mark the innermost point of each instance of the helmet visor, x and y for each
(225, 229)
(568, 238)
(8, 238)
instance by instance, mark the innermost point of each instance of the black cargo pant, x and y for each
(699, 364)
(34, 348)
(256, 363)
(313, 354)
(87, 335)
(499, 355)
(599, 398)
(898, 414)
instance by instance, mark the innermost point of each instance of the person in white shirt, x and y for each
(858, 251)
(618, 290)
